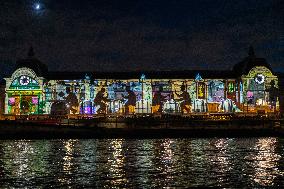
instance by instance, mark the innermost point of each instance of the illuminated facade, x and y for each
(250, 87)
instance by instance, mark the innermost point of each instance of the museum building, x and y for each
(251, 86)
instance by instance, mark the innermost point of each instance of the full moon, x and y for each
(37, 6)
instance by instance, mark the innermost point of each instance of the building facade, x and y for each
(251, 86)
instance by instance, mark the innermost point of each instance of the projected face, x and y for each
(259, 79)
(24, 80)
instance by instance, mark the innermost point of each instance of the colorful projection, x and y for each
(231, 90)
(260, 88)
(24, 82)
(231, 87)
(11, 101)
(29, 94)
(34, 100)
(198, 77)
(201, 90)
(216, 91)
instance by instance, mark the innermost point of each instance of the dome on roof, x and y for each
(33, 63)
(249, 62)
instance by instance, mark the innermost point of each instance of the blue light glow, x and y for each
(37, 6)
(198, 77)
(143, 77)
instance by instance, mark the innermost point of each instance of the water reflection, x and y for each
(67, 161)
(148, 163)
(23, 160)
(266, 162)
(116, 162)
(167, 160)
(220, 160)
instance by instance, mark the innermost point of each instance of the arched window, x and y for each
(24, 82)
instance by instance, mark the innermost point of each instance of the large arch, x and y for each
(24, 94)
(260, 90)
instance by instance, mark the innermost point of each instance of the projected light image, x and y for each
(253, 90)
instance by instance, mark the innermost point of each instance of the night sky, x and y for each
(125, 35)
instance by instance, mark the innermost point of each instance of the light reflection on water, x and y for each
(266, 162)
(145, 163)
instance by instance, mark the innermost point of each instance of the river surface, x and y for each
(142, 163)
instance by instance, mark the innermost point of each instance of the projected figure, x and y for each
(158, 101)
(184, 97)
(58, 108)
(71, 101)
(273, 94)
(101, 100)
(130, 101)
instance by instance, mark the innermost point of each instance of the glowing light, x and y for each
(259, 78)
(37, 6)
(11, 101)
(198, 77)
(265, 162)
(35, 100)
(260, 102)
(143, 77)
(116, 162)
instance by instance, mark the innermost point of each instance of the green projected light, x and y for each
(24, 82)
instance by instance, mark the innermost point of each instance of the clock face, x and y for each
(259, 78)
(24, 80)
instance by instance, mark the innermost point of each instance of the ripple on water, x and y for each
(144, 163)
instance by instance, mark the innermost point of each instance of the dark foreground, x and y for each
(143, 163)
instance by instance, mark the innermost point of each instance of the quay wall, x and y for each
(140, 128)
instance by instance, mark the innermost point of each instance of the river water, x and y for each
(142, 163)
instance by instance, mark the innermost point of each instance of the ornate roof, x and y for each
(239, 69)
(183, 74)
(248, 63)
(33, 63)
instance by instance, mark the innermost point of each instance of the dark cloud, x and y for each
(147, 35)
